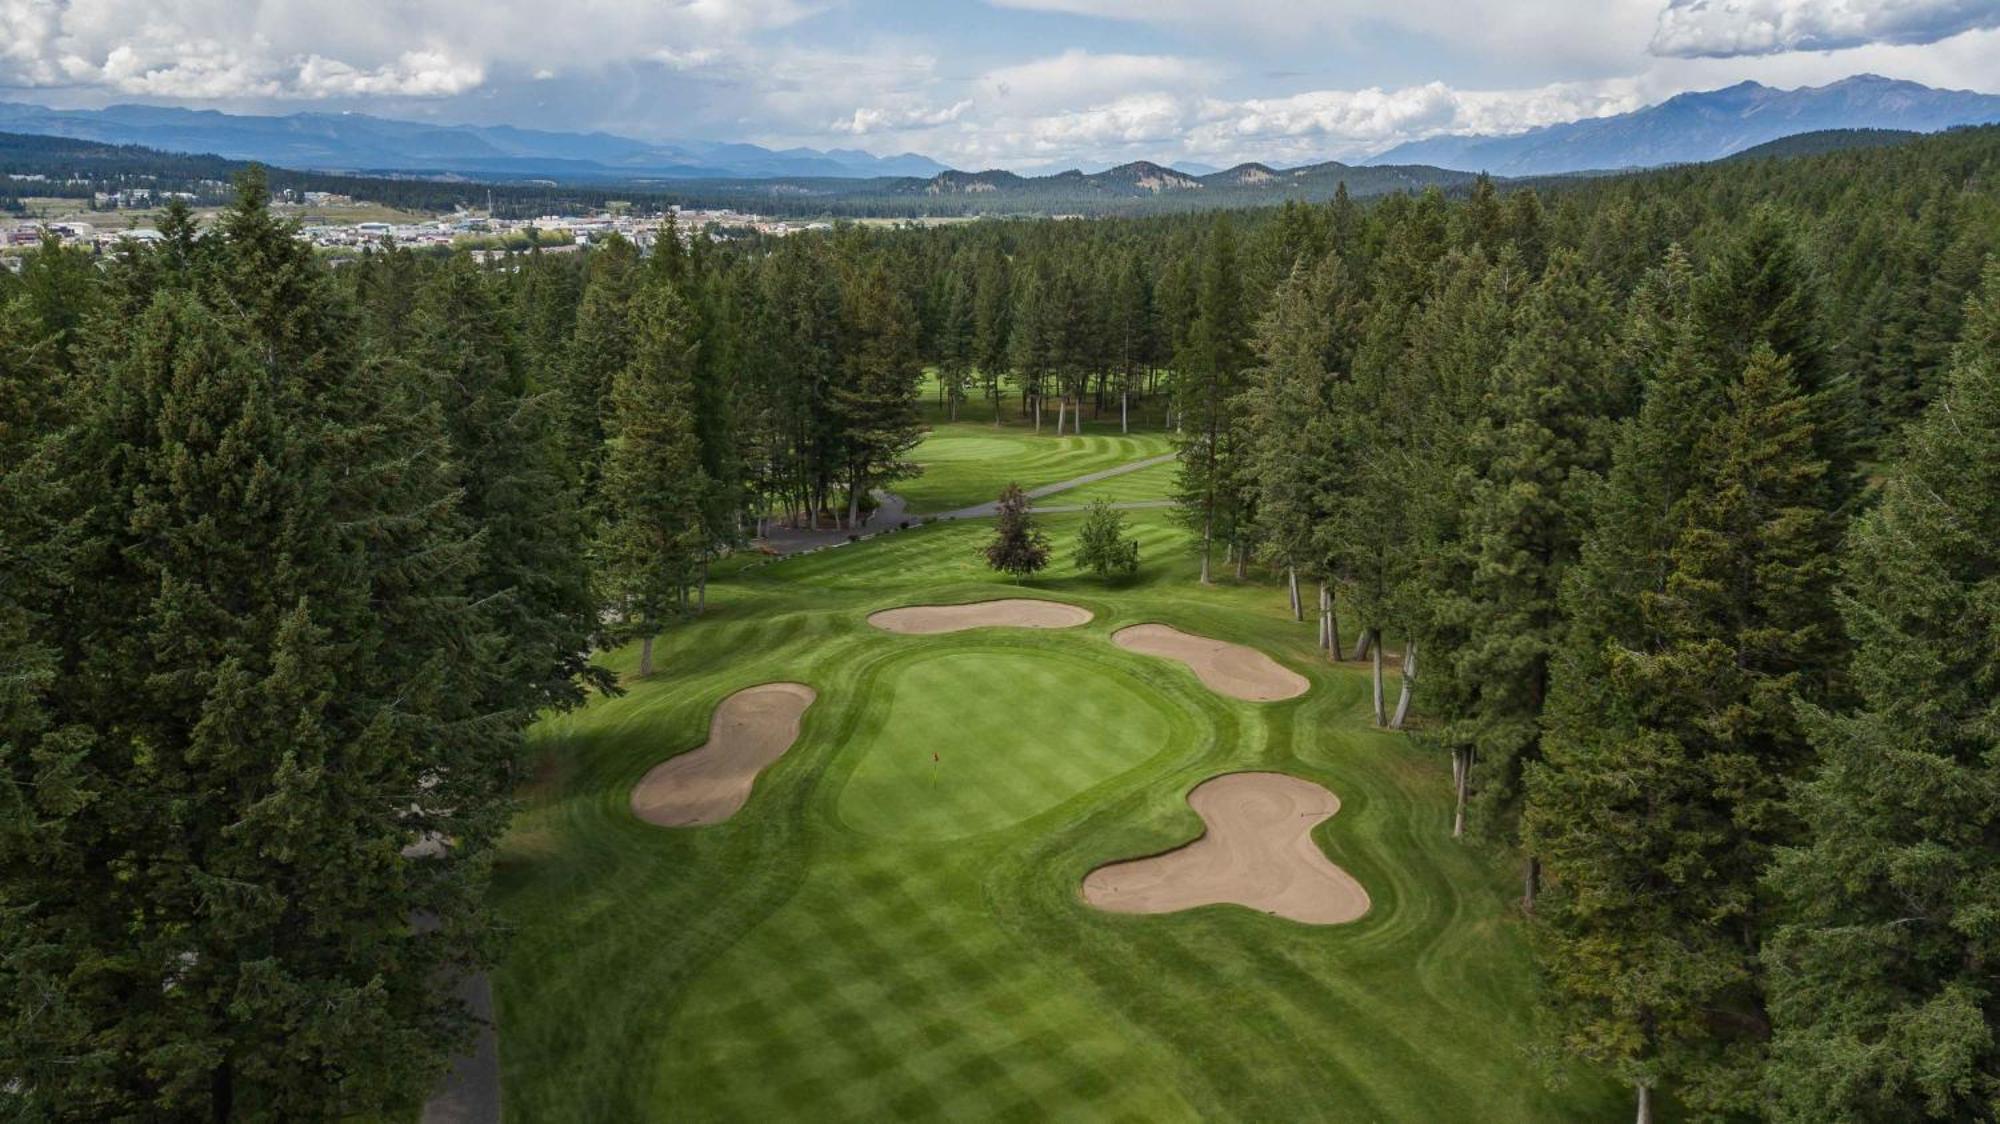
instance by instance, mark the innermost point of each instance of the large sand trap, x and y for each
(1258, 852)
(751, 729)
(1228, 669)
(1012, 612)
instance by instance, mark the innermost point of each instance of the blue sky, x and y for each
(1026, 84)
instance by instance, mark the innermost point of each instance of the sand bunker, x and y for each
(1229, 669)
(751, 729)
(1258, 852)
(1013, 612)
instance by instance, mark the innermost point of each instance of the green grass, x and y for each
(967, 463)
(999, 762)
(1155, 483)
(857, 944)
(969, 460)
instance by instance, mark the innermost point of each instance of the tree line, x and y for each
(1674, 495)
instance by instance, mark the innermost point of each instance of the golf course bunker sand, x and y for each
(1012, 612)
(1229, 669)
(751, 729)
(1257, 851)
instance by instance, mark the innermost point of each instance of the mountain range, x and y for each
(1688, 128)
(1709, 125)
(357, 142)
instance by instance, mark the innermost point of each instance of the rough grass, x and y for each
(826, 955)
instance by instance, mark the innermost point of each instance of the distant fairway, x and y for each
(968, 463)
(862, 943)
(1016, 733)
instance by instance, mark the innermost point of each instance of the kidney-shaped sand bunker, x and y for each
(1258, 852)
(1236, 670)
(751, 729)
(1011, 612)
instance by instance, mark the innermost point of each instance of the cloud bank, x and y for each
(1732, 28)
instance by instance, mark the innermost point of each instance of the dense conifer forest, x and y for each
(1676, 495)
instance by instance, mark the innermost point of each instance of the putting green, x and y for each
(1014, 733)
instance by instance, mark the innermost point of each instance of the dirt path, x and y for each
(1257, 852)
(751, 729)
(1236, 670)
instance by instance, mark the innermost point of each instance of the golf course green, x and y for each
(878, 935)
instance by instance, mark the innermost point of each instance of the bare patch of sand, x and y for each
(1012, 612)
(751, 729)
(1229, 669)
(1257, 852)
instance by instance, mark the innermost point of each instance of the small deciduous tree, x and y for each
(1102, 547)
(1018, 547)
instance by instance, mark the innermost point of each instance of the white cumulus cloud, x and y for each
(1728, 28)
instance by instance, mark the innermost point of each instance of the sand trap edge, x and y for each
(1001, 612)
(1367, 899)
(725, 804)
(1279, 684)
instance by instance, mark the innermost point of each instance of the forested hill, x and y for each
(1134, 188)
(1676, 494)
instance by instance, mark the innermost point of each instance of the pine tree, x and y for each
(877, 400)
(992, 307)
(653, 538)
(1102, 546)
(1655, 822)
(1882, 977)
(533, 578)
(1018, 548)
(602, 346)
(1547, 427)
(1214, 492)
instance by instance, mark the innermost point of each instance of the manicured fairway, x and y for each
(969, 463)
(1154, 483)
(861, 942)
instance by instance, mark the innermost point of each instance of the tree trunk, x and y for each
(222, 1092)
(1038, 413)
(1364, 645)
(1292, 586)
(1645, 1098)
(1207, 548)
(1461, 778)
(1381, 717)
(1062, 411)
(1531, 884)
(1409, 681)
(854, 504)
(1124, 411)
(646, 656)
(1332, 625)
(701, 591)
(1242, 561)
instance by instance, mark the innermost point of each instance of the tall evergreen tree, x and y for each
(1213, 486)
(533, 577)
(1547, 427)
(1882, 978)
(1655, 824)
(653, 537)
